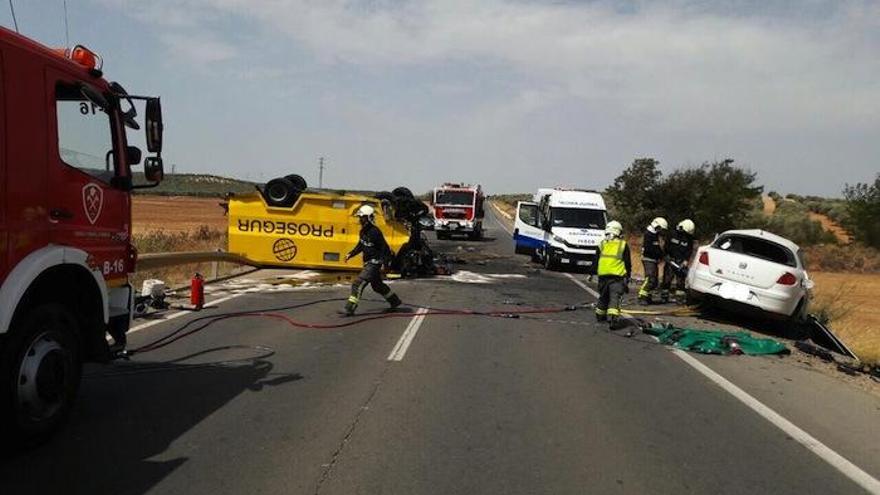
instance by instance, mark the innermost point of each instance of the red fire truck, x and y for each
(458, 209)
(65, 225)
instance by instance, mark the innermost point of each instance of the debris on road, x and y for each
(713, 342)
(823, 336)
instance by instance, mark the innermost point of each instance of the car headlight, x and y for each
(558, 239)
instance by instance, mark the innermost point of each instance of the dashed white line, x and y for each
(178, 314)
(409, 334)
(837, 461)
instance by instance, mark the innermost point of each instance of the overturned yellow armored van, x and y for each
(287, 225)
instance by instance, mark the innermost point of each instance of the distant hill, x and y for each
(203, 185)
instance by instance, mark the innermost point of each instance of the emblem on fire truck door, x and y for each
(93, 201)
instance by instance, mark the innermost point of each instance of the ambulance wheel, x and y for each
(40, 369)
(298, 182)
(281, 192)
(549, 263)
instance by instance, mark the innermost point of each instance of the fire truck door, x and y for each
(85, 209)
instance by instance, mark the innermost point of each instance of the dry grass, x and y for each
(830, 225)
(850, 301)
(176, 214)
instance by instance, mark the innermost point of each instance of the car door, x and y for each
(527, 232)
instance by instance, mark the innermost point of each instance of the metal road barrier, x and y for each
(149, 261)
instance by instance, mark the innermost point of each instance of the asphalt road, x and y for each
(444, 404)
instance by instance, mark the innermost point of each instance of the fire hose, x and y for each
(198, 324)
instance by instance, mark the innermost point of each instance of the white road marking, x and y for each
(408, 335)
(582, 285)
(178, 314)
(499, 222)
(837, 461)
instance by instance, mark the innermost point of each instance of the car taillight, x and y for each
(704, 258)
(787, 279)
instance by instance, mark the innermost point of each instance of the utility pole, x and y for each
(321, 172)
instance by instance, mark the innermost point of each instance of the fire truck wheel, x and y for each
(298, 182)
(40, 366)
(403, 192)
(280, 192)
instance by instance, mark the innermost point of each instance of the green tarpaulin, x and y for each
(714, 342)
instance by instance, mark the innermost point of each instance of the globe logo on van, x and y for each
(284, 249)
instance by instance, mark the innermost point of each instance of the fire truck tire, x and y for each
(40, 370)
(280, 192)
(403, 192)
(298, 182)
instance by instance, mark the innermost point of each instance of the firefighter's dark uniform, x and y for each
(376, 252)
(678, 252)
(614, 269)
(652, 253)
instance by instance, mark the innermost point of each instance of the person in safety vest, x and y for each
(376, 253)
(652, 255)
(614, 270)
(678, 255)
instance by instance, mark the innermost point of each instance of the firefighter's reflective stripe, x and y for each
(611, 258)
(601, 312)
(613, 312)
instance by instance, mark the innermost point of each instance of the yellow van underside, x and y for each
(316, 232)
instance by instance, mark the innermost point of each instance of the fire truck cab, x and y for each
(458, 209)
(65, 225)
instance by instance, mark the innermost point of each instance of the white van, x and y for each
(561, 228)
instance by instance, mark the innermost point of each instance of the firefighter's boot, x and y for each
(350, 307)
(393, 300)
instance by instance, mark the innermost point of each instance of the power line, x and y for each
(66, 26)
(14, 20)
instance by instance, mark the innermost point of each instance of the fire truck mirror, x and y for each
(94, 95)
(133, 155)
(154, 171)
(154, 125)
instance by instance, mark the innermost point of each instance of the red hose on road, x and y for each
(177, 335)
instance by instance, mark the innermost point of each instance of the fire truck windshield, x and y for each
(458, 198)
(84, 136)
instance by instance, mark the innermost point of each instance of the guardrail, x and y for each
(150, 261)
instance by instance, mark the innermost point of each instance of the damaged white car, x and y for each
(753, 268)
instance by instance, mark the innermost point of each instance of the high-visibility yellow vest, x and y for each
(611, 258)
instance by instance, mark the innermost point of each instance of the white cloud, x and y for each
(661, 63)
(679, 68)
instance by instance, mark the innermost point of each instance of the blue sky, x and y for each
(514, 94)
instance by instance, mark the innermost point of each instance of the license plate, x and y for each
(565, 260)
(584, 263)
(737, 292)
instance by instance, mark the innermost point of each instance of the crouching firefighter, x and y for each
(614, 271)
(376, 253)
(678, 254)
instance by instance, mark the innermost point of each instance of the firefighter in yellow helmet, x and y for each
(652, 254)
(376, 253)
(614, 270)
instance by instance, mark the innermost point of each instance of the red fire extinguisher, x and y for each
(197, 291)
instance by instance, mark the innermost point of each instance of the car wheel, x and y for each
(40, 369)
